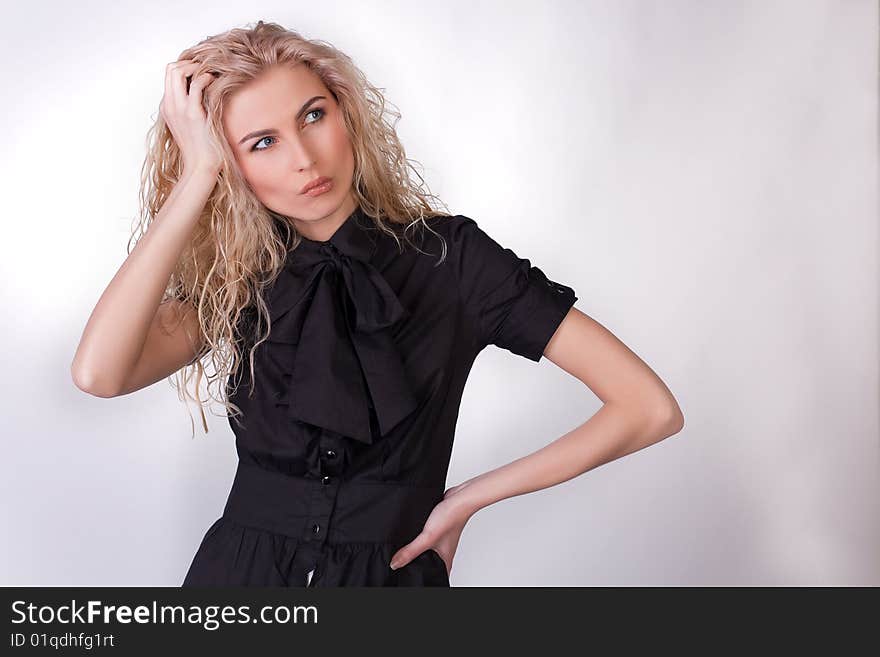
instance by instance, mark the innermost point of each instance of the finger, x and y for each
(184, 64)
(175, 80)
(198, 84)
(172, 99)
(168, 100)
(410, 551)
(178, 83)
(196, 97)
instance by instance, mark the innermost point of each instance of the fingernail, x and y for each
(395, 565)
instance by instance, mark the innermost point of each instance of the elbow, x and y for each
(669, 419)
(86, 381)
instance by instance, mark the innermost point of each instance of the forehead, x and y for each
(271, 99)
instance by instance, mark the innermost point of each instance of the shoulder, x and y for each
(451, 226)
(433, 236)
(475, 252)
(463, 237)
(456, 241)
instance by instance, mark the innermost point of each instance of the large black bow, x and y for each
(347, 363)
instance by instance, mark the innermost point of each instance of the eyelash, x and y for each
(317, 109)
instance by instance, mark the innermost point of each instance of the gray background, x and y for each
(704, 174)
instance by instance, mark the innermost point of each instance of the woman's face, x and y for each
(286, 130)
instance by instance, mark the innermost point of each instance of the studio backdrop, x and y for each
(703, 174)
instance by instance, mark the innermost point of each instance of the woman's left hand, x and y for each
(441, 531)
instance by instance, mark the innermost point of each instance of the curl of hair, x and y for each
(236, 249)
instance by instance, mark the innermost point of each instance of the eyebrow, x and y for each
(269, 131)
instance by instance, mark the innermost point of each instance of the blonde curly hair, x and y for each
(236, 250)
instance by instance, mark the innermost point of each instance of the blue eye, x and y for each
(317, 109)
(254, 147)
(320, 116)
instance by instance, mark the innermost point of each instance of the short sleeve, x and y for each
(515, 306)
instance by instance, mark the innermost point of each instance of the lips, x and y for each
(314, 183)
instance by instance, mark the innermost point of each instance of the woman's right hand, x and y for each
(185, 116)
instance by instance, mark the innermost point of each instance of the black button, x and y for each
(330, 454)
(316, 528)
(325, 480)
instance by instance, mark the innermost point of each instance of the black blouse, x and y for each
(344, 448)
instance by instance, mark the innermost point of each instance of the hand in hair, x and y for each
(181, 109)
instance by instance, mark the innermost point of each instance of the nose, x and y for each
(301, 157)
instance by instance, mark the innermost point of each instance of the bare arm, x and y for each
(127, 321)
(638, 411)
(130, 340)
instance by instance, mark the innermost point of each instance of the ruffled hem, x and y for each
(233, 554)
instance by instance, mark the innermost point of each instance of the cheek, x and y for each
(260, 172)
(345, 154)
(340, 144)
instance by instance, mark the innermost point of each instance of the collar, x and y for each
(347, 374)
(352, 238)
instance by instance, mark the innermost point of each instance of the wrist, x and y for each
(204, 171)
(467, 498)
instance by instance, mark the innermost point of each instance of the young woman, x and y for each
(283, 238)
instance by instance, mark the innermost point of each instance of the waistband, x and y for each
(329, 510)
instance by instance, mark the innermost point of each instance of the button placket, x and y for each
(322, 503)
(323, 496)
